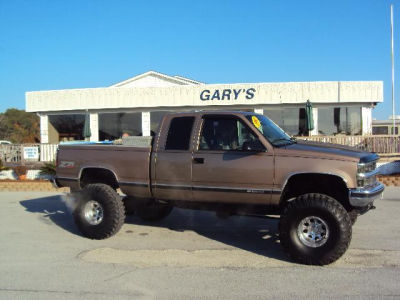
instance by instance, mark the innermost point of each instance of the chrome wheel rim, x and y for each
(93, 212)
(313, 231)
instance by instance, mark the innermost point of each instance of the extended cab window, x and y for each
(178, 137)
(225, 134)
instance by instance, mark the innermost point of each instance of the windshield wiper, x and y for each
(281, 140)
(291, 141)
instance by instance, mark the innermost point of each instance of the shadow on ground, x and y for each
(54, 209)
(257, 235)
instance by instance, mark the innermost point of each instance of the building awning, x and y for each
(199, 95)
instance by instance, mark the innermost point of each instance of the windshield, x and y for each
(272, 132)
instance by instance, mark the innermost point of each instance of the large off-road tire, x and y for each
(315, 229)
(100, 212)
(353, 214)
(153, 211)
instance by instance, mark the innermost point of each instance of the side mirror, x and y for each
(255, 146)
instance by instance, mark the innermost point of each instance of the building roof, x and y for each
(164, 78)
(388, 121)
(202, 96)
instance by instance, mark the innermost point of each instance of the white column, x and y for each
(94, 127)
(44, 129)
(315, 119)
(146, 123)
(259, 111)
(366, 120)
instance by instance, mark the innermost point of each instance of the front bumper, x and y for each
(361, 197)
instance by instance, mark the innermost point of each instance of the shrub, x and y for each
(20, 170)
(3, 168)
(48, 169)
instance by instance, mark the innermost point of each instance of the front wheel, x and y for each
(100, 212)
(315, 229)
(353, 214)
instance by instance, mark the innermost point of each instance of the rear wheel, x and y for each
(153, 211)
(315, 229)
(100, 212)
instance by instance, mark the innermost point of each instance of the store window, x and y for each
(68, 127)
(376, 130)
(339, 120)
(155, 119)
(113, 126)
(291, 120)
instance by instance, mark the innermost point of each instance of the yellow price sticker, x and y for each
(256, 122)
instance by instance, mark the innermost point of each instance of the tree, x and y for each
(2, 127)
(19, 126)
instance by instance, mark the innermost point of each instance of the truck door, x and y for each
(173, 161)
(224, 167)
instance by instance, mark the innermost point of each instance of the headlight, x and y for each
(365, 174)
(366, 168)
(361, 182)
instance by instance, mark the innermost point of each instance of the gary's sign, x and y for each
(227, 94)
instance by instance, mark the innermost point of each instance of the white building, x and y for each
(385, 127)
(136, 105)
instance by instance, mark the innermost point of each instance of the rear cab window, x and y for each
(179, 133)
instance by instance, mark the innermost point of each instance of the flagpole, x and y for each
(391, 33)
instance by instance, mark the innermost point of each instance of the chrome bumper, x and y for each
(364, 196)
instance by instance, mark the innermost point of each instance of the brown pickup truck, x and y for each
(231, 163)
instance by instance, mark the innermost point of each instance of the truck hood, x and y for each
(326, 150)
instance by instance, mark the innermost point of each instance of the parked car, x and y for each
(232, 163)
(5, 143)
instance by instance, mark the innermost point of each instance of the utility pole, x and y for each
(391, 32)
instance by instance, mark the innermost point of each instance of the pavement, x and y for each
(190, 254)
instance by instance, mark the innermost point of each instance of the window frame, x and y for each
(222, 116)
(190, 136)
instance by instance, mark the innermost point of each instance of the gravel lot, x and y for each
(190, 254)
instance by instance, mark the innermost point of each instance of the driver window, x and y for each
(225, 134)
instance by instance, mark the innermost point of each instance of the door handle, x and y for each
(198, 160)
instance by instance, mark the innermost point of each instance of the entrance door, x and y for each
(231, 165)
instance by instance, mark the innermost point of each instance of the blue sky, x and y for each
(77, 44)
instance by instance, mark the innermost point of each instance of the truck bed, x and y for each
(130, 165)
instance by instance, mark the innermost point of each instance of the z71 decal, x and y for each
(66, 164)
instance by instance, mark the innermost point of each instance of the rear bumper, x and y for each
(361, 197)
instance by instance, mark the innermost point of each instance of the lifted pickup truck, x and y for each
(232, 163)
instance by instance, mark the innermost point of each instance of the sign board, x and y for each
(31, 153)
(227, 94)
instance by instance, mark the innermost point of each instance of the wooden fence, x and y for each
(383, 144)
(25, 153)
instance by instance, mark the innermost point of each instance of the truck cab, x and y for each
(202, 157)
